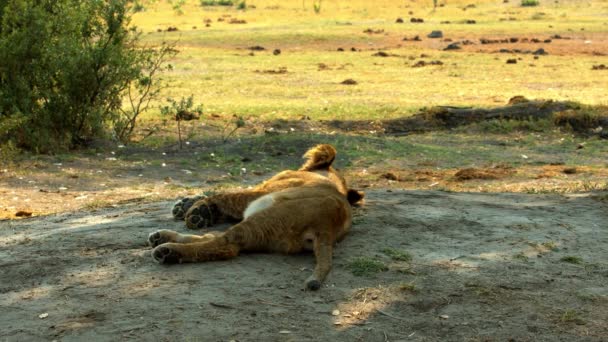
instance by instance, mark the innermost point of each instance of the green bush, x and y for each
(529, 3)
(66, 66)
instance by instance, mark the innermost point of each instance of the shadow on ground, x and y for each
(484, 267)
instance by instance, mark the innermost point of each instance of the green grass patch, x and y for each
(408, 287)
(397, 254)
(217, 3)
(530, 3)
(366, 266)
(571, 316)
(571, 259)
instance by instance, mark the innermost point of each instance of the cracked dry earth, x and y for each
(484, 267)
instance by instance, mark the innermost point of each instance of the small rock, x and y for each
(540, 52)
(43, 315)
(511, 61)
(453, 46)
(444, 316)
(381, 54)
(284, 332)
(349, 81)
(435, 34)
(23, 213)
(335, 312)
(399, 21)
(276, 52)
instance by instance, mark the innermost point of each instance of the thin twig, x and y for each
(274, 304)
(391, 316)
(219, 305)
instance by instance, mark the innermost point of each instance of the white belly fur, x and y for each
(258, 205)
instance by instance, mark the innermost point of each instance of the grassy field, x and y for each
(215, 66)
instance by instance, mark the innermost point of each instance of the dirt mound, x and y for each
(486, 173)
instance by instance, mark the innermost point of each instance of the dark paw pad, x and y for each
(155, 239)
(313, 285)
(200, 217)
(166, 255)
(181, 207)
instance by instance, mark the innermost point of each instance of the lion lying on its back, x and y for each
(308, 209)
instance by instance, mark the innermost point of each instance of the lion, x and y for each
(294, 211)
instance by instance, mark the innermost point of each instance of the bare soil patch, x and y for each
(485, 173)
(483, 267)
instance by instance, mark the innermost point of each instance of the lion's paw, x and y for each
(313, 284)
(201, 216)
(181, 207)
(166, 255)
(160, 237)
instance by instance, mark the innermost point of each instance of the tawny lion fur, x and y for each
(294, 211)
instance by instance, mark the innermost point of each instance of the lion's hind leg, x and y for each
(220, 208)
(181, 207)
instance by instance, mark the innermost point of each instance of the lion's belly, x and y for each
(258, 205)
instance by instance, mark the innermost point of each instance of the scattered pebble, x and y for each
(435, 34)
(349, 81)
(23, 213)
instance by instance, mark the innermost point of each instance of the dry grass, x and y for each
(215, 65)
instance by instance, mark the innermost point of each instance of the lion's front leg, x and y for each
(163, 236)
(220, 208)
(217, 248)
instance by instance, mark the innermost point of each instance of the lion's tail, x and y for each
(319, 157)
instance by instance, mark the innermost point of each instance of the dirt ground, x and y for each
(484, 267)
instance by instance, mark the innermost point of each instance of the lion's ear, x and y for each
(354, 196)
